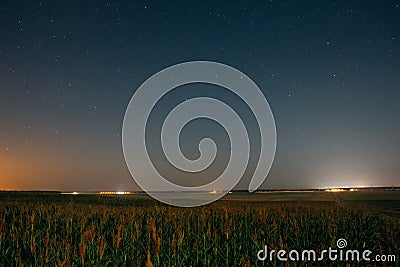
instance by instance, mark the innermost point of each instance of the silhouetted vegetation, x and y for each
(93, 230)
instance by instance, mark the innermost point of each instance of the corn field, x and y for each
(58, 230)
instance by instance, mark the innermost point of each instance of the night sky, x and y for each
(329, 69)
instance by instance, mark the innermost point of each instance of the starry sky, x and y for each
(329, 69)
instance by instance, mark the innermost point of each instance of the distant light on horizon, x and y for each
(114, 193)
(70, 193)
(335, 190)
(348, 186)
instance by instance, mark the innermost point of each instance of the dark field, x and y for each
(51, 229)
